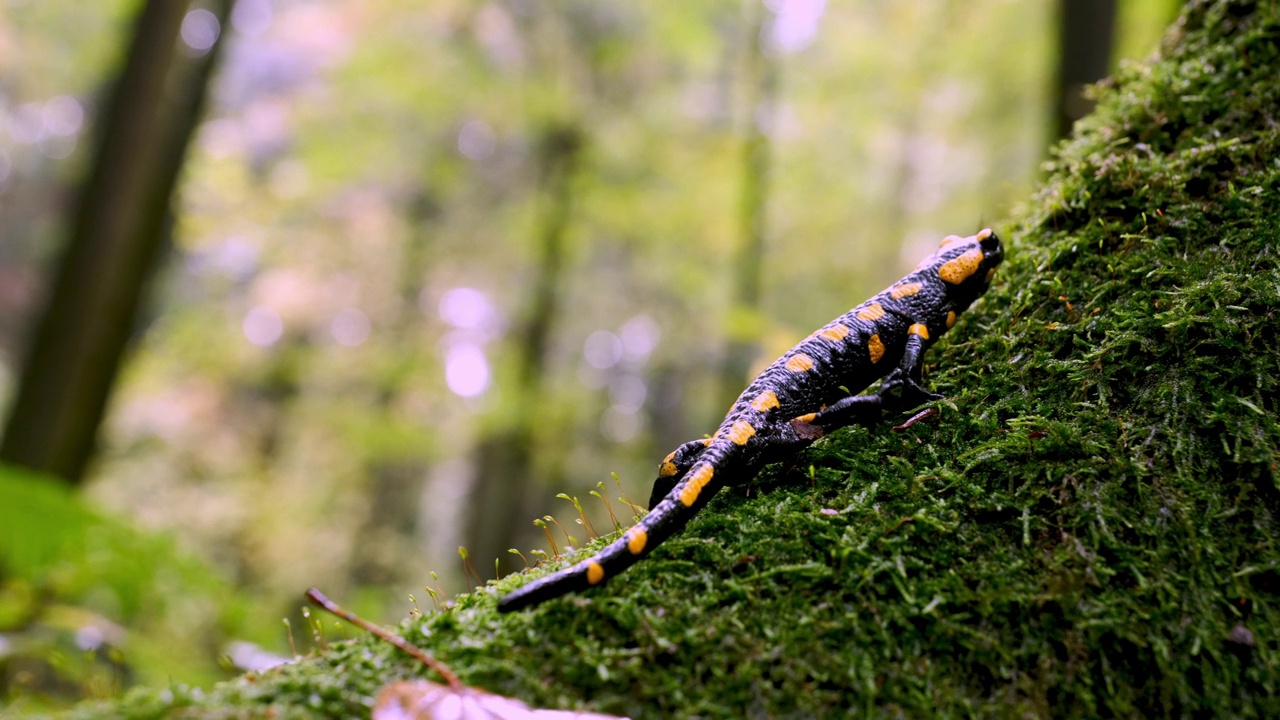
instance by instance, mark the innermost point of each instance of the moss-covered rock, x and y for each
(1088, 529)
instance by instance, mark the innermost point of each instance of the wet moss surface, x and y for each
(1089, 528)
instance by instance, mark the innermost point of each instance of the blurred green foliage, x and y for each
(90, 605)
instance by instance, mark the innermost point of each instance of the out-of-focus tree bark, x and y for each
(117, 236)
(501, 496)
(759, 111)
(1086, 36)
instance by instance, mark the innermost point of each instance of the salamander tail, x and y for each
(586, 574)
(662, 521)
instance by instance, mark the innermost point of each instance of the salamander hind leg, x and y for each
(673, 468)
(855, 410)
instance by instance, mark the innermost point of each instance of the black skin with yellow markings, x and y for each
(806, 394)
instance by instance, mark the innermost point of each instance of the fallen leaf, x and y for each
(423, 700)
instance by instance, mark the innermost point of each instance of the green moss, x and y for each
(66, 571)
(1088, 529)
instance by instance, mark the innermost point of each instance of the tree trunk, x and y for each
(759, 112)
(1086, 32)
(117, 237)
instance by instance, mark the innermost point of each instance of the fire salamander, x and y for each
(807, 393)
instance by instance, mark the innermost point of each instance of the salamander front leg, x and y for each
(673, 468)
(906, 377)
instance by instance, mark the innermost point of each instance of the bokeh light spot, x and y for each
(639, 337)
(795, 24)
(262, 326)
(628, 392)
(476, 140)
(466, 308)
(466, 370)
(26, 123)
(63, 115)
(350, 327)
(602, 349)
(200, 29)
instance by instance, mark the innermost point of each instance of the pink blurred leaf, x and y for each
(423, 700)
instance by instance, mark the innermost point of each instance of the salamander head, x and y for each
(966, 265)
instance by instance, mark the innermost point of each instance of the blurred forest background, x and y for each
(301, 292)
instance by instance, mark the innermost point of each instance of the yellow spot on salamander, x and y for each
(765, 401)
(806, 418)
(873, 311)
(875, 348)
(984, 234)
(667, 468)
(595, 572)
(636, 540)
(919, 329)
(949, 241)
(897, 292)
(706, 441)
(740, 432)
(951, 319)
(696, 481)
(959, 268)
(836, 332)
(800, 363)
